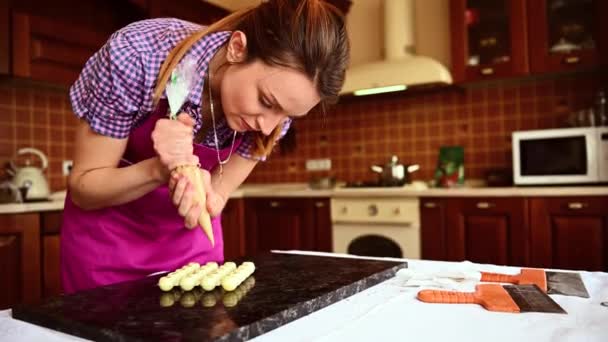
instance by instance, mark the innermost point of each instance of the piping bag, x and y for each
(177, 90)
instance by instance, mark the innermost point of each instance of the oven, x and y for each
(376, 226)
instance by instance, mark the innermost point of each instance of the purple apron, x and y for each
(132, 240)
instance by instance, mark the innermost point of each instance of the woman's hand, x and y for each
(173, 141)
(183, 193)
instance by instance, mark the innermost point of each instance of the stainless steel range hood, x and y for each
(400, 69)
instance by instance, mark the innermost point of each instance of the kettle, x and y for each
(30, 179)
(394, 173)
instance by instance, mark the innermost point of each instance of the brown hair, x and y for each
(306, 35)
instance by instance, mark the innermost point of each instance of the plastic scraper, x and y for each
(496, 297)
(562, 283)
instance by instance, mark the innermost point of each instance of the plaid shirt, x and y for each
(114, 90)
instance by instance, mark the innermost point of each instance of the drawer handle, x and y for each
(576, 205)
(6, 241)
(319, 204)
(485, 205)
(430, 205)
(397, 211)
(572, 60)
(487, 71)
(275, 204)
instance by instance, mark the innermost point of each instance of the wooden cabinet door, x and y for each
(566, 35)
(19, 259)
(51, 50)
(5, 38)
(50, 225)
(233, 229)
(569, 233)
(488, 39)
(487, 230)
(195, 11)
(278, 223)
(322, 224)
(432, 229)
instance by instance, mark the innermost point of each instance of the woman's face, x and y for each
(257, 97)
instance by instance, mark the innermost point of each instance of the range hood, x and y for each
(400, 69)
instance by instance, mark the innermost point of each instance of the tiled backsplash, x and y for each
(39, 117)
(353, 134)
(358, 133)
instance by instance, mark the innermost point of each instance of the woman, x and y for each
(126, 215)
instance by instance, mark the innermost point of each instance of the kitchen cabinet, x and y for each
(509, 38)
(551, 232)
(5, 41)
(432, 233)
(19, 259)
(487, 230)
(52, 43)
(196, 11)
(287, 223)
(233, 228)
(50, 227)
(566, 35)
(569, 233)
(322, 225)
(488, 39)
(46, 49)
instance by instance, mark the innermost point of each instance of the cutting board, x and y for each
(284, 288)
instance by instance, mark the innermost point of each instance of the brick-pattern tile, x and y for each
(354, 134)
(366, 131)
(35, 117)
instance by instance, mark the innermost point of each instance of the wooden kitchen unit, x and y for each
(569, 232)
(287, 223)
(20, 259)
(51, 44)
(515, 38)
(552, 232)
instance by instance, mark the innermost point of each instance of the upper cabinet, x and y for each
(565, 34)
(508, 38)
(489, 39)
(46, 49)
(51, 43)
(196, 11)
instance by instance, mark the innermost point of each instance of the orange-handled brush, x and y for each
(527, 276)
(493, 297)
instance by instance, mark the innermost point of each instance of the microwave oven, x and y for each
(560, 156)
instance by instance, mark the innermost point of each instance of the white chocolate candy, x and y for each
(165, 283)
(213, 279)
(172, 279)
(236, 277)
(194, 279)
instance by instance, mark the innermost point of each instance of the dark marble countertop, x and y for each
(283, 288)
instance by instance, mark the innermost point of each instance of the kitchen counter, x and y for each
(55, 202)
(475, 192)
(389, 311)
(304, 191)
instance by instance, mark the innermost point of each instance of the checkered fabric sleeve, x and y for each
(110, 89)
